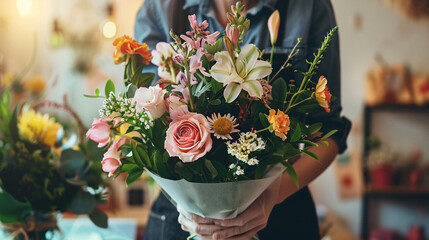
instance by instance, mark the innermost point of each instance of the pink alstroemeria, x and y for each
(100, 131)
(182, 86)
(112, 158)
(196, 64)
(198, 29)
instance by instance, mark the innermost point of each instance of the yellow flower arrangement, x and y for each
(38, 128)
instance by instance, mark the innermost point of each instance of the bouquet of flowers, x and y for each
(219, 126)
(43, 171)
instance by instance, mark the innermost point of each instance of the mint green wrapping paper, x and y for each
(216, 200)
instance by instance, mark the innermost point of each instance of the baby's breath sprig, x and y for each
(125, 108)
(248, 143)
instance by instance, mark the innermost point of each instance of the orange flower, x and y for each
(126, 45)
(280, 123)
(323, 96)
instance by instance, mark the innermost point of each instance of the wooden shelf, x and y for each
(398, 191)
(399, 108)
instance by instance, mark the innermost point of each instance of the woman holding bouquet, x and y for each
(283, 211)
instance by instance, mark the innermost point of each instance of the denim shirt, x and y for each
(310, 20)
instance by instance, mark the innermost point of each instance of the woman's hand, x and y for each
(243, 227)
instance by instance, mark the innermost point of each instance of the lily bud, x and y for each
(273, 26)
(229, 47)
(233, 34)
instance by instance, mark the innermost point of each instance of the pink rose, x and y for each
(188, 137)
(176, 106)
(100, 131)
(112, 158)
(151, 99)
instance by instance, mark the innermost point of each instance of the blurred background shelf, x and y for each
(398, 108)
(397, 191)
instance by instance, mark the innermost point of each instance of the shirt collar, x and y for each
(204, 5)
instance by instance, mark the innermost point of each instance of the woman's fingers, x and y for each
(248, 235)
(240, 230)
(198, 228)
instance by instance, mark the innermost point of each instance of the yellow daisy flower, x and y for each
(38, 128)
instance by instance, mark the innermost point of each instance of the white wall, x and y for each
(397, 39)
(16, 44)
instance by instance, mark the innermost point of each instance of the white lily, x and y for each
(243, 75)
(162, 57)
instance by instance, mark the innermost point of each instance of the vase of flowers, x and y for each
(45, 169)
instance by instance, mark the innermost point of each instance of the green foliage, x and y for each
(11, 210)
(291, 171)
(142, 79)
(134, 174)
(217, 47)
(99, 218)
(109, 87)
(330, 133)
(82, 203)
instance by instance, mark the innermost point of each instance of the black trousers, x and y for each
(293, 219)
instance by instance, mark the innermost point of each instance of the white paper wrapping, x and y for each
(217, 200)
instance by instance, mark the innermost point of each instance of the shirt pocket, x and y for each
(155, 228)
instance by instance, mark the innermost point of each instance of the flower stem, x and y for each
(261, 130)
(291, 54)
(313, 65)
(271, 59)
(296, 104)
(192, 237)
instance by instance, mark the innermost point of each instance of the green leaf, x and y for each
(291, 152)
(314, 128)
(109, 87)
(160, 165)
(99, 218)
(82, 203)
(296, 134)
(140, 156)
(158, 134)
(330, 133)
(71, 162)
(291, 171)
(12, 210)
(279, 89)
(308, 108)
(260, 170)
(216, 86)
(264, 120)
(13, 125)
(131, 90)
(216, 102)
(217, 47)
(325, 143)
(93, 96)
(220, 168)
(133, 174)
(311, 154)
(142, 79)
(182, 171)
(97, 92)
(211, 168)
(309, 143)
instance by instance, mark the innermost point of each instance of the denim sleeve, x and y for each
(323, 20)
(152, 26)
